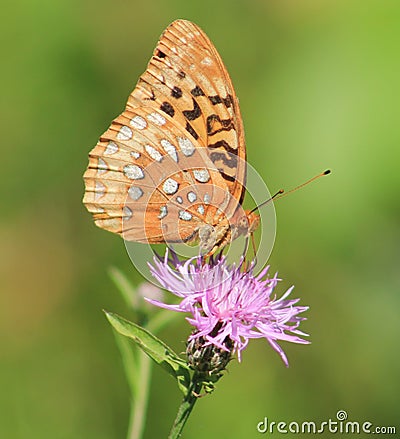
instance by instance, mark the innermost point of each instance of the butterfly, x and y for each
(172, 167)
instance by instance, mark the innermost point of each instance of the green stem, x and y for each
(186, 408)
(139, 404)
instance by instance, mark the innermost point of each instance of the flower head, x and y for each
(229, 305)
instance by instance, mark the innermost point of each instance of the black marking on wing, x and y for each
(230, 162)
(215, 99)
(193, 114)
(152, 97)
(226, 176)
(224, 145)
(197, 91)
(161, 54)
(167, 108)
(226, 124)
(176, 92)
(182, 74)
(228, 101)
(191, 130)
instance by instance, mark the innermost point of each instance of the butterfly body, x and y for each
(172, 166)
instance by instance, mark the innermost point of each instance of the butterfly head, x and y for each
(246, 224)
(253, 220)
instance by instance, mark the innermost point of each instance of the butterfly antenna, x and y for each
(281, 193)
(328, 171)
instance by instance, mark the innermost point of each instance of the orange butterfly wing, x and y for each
(175, 158)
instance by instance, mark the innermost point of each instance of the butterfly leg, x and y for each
(207, 238)
(246, 264)
(246, 248)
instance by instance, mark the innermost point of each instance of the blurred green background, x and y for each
(318, 84)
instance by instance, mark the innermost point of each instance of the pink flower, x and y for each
(229, 305)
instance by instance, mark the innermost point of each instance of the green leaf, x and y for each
(155, 348)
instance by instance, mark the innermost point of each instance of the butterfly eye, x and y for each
(254, 221)
(243, 223)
